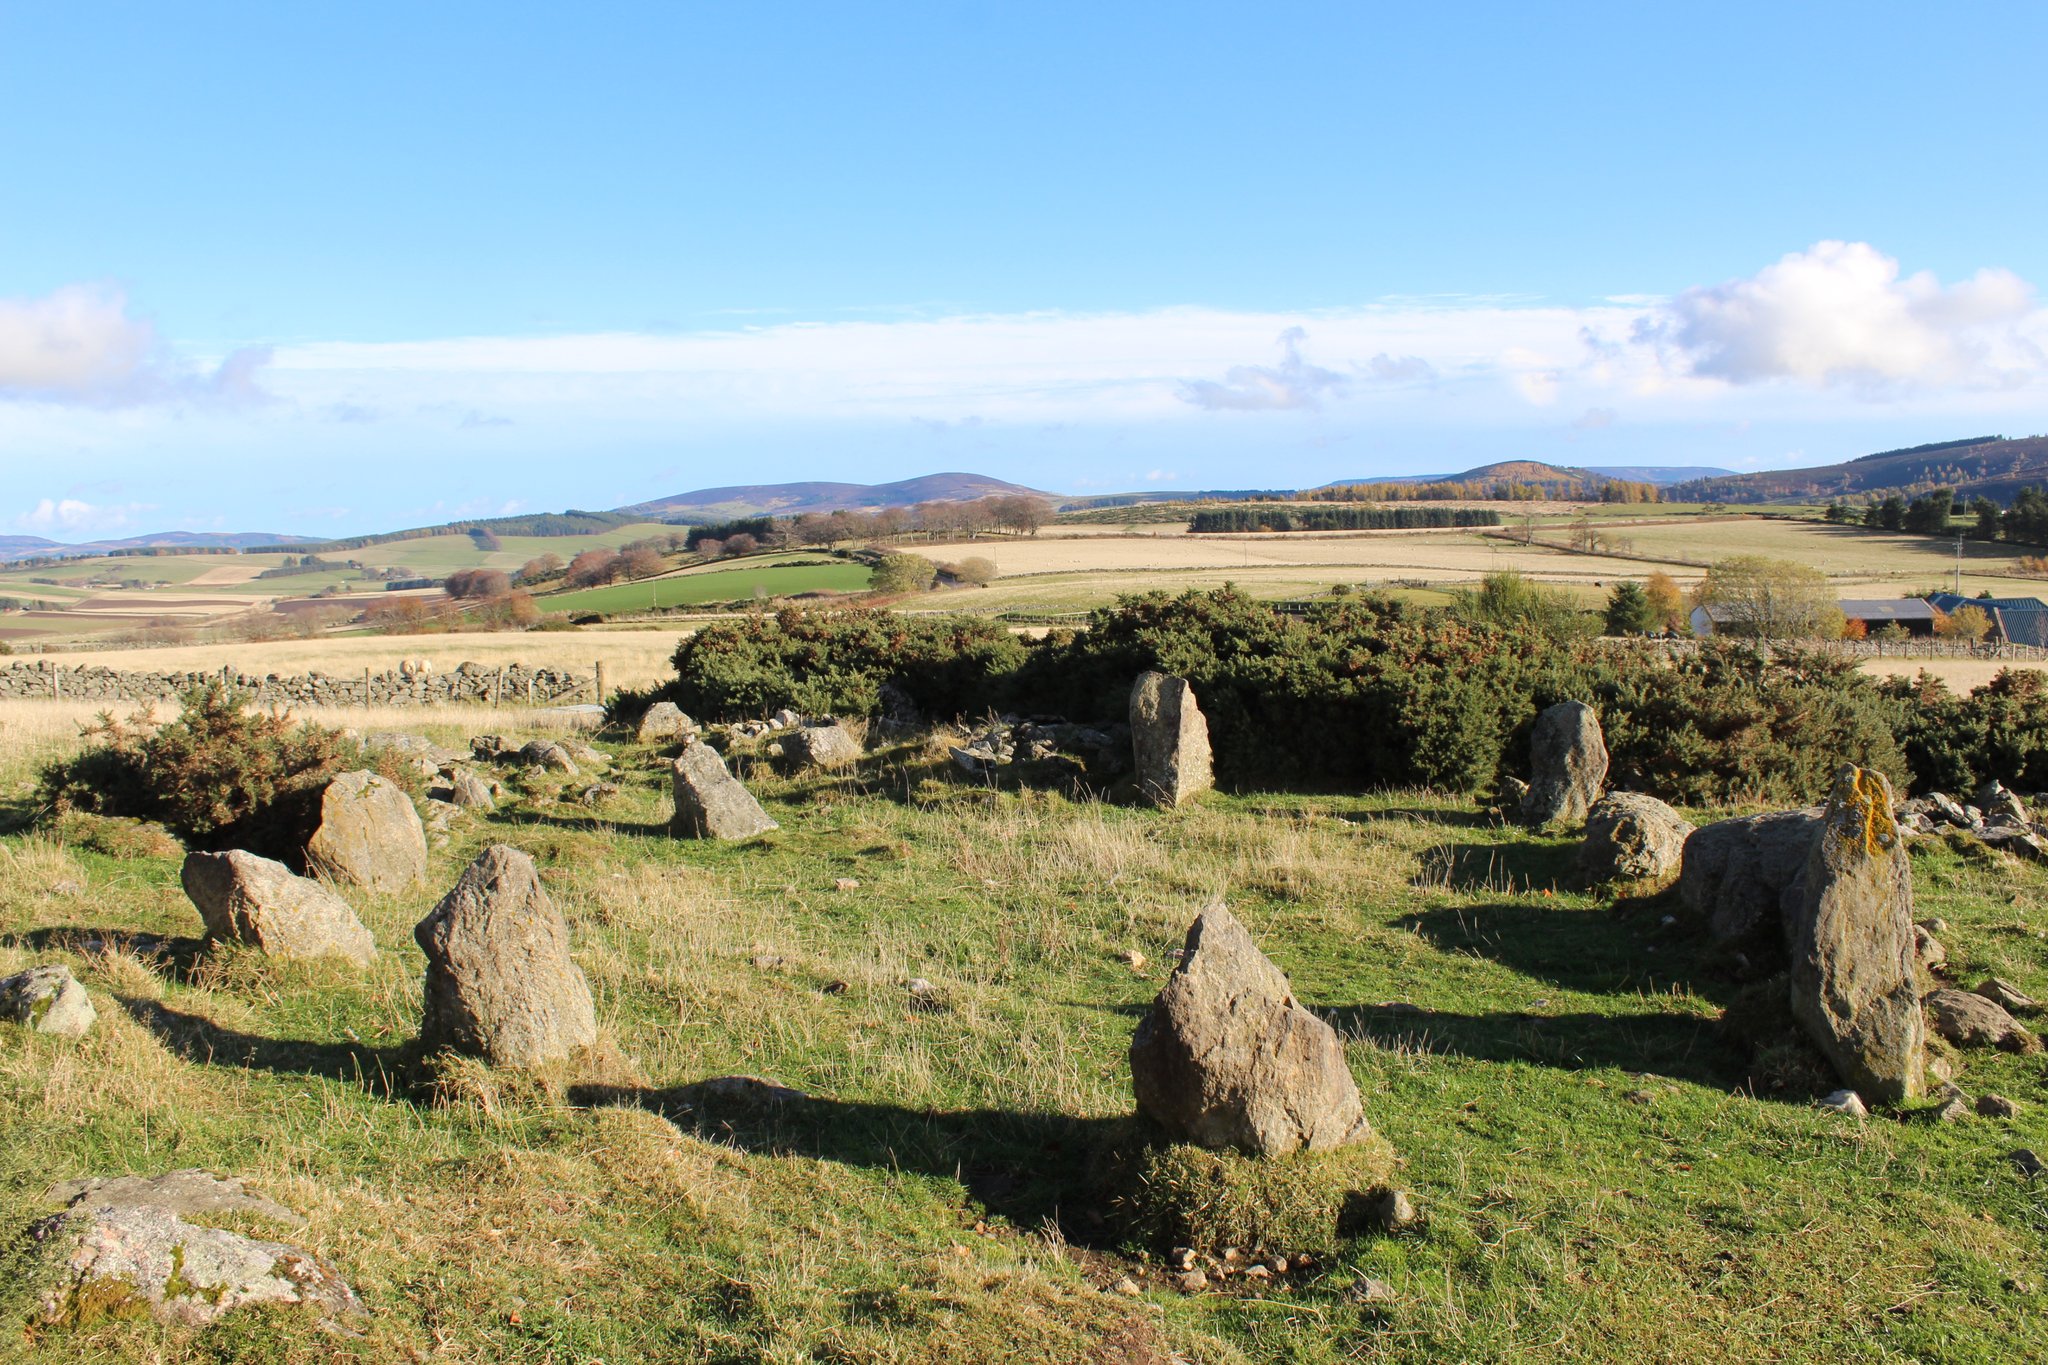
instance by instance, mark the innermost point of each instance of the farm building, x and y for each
(1914, 614)
(2014, 620)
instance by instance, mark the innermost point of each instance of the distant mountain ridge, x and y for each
(789, 499)
(30, 547)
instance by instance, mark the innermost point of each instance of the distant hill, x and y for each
(1976, 466)
(788, 499)
(14, 548)
(1535, 471)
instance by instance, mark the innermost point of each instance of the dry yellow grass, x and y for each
(1459, 556)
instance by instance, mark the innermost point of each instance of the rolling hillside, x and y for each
(1988, 466)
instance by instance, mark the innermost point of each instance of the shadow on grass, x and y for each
(1682, 1046)
(1601, 952)
(592, 823)
(1029, 1168)
(386, 1072)
(1506, 869)
(178, 957)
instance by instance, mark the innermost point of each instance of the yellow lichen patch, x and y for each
(1872, 795)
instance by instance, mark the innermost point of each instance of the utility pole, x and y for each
(1959, 564)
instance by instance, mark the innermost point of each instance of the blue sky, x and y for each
(334, 269)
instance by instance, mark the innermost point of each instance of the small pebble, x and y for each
(1191, 1282)
(847, 884)
(1127, 1287)
(1997, 1107)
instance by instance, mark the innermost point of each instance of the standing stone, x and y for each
(1568, 764)
(710, 802)
(1633, 838)
(369, 834)
(1741, 877)
(471, 792)
(48, 1000)
(500, 982)
(663, 722)
(252, 900)
(1853, 983)
(1226, 1058)
(1169, 740)
(829, 747)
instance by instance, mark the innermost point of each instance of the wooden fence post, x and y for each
(600, 682)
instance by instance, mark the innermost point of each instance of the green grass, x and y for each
(771, 576)
(1598, 1180)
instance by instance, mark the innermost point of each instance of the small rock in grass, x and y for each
(1369, 1290)
(767, 961)
(1846, 1102)
(1967, 1019)
(846, 884)
(48, 1000)
(1392, 1210)
(1951, 1110)
(1997, 1107)
(121, 1247)
(1182, 1258)
(1927, 948)
(1191, 1282)
(2007, 996)
(1132, 958)
(1126, 1286)
(2029, 1164)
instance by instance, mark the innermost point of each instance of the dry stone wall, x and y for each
(512, 683)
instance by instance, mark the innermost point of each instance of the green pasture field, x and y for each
(774, 575)
(1601, 1176)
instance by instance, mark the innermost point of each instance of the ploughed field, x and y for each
(1599, 1176)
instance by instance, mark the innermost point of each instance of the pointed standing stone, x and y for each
(710, 802)
(1169, 740)
(1568, 765)
(1854, 987)
(1227, 1058)
(500, 982)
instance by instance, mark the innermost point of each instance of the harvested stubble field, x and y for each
(1598, 1180)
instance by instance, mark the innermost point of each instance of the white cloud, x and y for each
(1293, 383)
(71, 516)
(79, 344)
(1841, 313)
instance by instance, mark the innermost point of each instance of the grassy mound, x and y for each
(1189, 1196)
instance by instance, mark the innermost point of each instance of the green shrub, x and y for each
(1366, 692)
(219, 776)
(835, 663)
